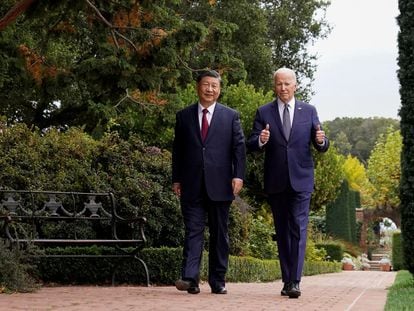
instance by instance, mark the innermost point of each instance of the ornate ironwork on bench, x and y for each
(25, 214)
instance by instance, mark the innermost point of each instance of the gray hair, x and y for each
(286, 70)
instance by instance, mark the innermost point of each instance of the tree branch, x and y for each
(113, 29)
(18, 9)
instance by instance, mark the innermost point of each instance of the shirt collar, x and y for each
(210, 109)
(291, 104)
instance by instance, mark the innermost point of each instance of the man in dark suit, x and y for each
(285, 129)
(208, 166)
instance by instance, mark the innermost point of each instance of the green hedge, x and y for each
(164, 265)
(334, 250)
(397, 252)
(406, 78)
(340, 215)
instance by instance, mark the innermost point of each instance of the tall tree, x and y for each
(293, 25)
(358, 181)
(360, 133)
(329, 176)
(384, 169)
(84, 62)
(406, 77)
(98, 63)
(340, 214)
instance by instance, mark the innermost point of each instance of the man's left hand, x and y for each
(320, 135)
(237, 185)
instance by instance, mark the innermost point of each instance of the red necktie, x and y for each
(204, 125)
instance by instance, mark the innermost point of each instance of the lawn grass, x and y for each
(401, 294)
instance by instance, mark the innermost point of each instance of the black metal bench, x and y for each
(27, 217)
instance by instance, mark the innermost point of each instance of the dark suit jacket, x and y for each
(287, 160)
(218, 160)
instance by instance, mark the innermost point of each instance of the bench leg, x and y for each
(145, 268)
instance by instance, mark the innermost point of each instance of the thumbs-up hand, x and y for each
(320, 135)
(265, 134)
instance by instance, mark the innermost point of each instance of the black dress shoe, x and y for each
(285, 289)
(294, 290)
(193, 290)
(219, 290)
(189, 286)
(183, 284)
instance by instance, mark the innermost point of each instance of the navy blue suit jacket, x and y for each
(218, 160)
(287, 161)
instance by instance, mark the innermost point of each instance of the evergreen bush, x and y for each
(406, 78)
(334, 250)
(397, 252)
(164, 265)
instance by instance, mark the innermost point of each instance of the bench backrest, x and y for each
(55, 215)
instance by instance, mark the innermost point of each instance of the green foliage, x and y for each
(239, 227)
(16, 273)
(397, 252)
(77, 64)
(164, 265)
(321, 267)
(384, 169)
(328, 177)
(354, 203)
(70, 270)
(406, 78)
(340, 215)
(249, 269)
(357, 136)
(292, 26)
(261, 244)
(138, 175)
(245, 99)
(334, 250)
(314, 253)
(401, 294)
(357, 178)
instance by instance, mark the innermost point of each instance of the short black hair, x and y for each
(208, 73)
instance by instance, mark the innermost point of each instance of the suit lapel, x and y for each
(215, 121)
(195, 123)
(276, 117)
(297, 116)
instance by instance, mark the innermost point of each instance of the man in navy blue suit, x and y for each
(285, 129)
(208, 167)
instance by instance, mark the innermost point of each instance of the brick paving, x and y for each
(347, 290)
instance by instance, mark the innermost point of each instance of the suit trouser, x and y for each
(195, 214)
(290, 211)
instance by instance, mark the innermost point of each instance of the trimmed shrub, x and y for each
(340, 215)
(334, 250)
(406, 78)
(164, 265)
(397, 252)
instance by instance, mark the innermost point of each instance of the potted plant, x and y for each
(347, 263)
(385, 263)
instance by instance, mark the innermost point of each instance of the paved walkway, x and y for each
(347, 290)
